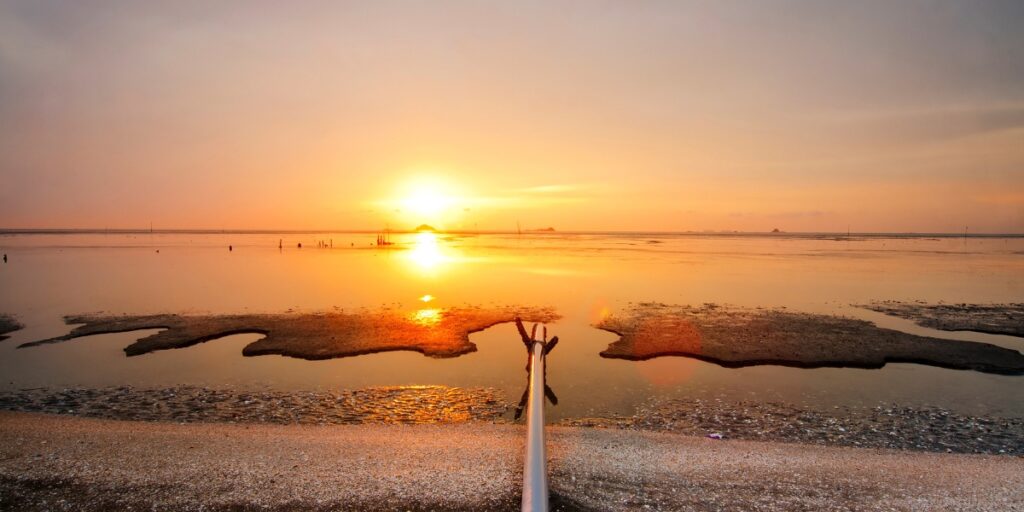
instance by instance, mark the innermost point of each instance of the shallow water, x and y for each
(582, 276)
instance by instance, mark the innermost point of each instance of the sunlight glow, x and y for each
(427, 298)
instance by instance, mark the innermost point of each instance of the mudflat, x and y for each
(325, 335)
(988, 318)
(735, 337)
(8, 325)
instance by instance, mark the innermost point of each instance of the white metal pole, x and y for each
(535, 474)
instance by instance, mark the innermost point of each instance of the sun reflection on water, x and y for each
(427, 317)
(427, 254)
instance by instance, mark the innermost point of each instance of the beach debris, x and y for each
(734, 337)
(714, 435)
(987, 318)
(434, 332)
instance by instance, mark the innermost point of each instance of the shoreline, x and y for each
(888, 426)
(68, 462)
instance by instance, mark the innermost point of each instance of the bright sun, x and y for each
(427, 200)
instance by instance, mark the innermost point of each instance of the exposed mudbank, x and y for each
(985, 318)
(432, 332)
(920, 428)
(190, 404)
(735, 337)
(8, 325)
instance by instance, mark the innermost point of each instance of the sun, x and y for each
(427, 200)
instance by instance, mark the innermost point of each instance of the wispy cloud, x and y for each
(553, 189)
(783, 215)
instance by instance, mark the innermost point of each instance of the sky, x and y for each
(871, 116)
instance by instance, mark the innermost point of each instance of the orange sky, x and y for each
(806, 116)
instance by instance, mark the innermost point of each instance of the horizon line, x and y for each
(541, 231)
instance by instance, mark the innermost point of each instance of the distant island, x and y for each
(425, 227)
(547, 229)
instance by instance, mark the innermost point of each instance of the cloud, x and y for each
(800, 214)
(1000, 198)
(551, 189)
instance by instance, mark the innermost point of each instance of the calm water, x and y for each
(582, 276)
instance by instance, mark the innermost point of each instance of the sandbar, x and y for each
(8, 325)
(322, 335)
(735, 337)
(987, 318)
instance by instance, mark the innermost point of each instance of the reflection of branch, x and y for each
(548, 392)
(522, 401)
(522, 333)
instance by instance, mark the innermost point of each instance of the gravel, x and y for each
(52, 462)
(898, 427)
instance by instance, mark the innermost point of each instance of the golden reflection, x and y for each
(427, 317)
(427, 254)
(599, 311)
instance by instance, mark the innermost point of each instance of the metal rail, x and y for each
(535, 473)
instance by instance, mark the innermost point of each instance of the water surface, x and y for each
(583, 276)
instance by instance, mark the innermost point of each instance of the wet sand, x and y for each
(8, 325)
(432, 332)
(889, 426)
(987, 318)
(387, 404)
(734, 337)
(52, 462)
